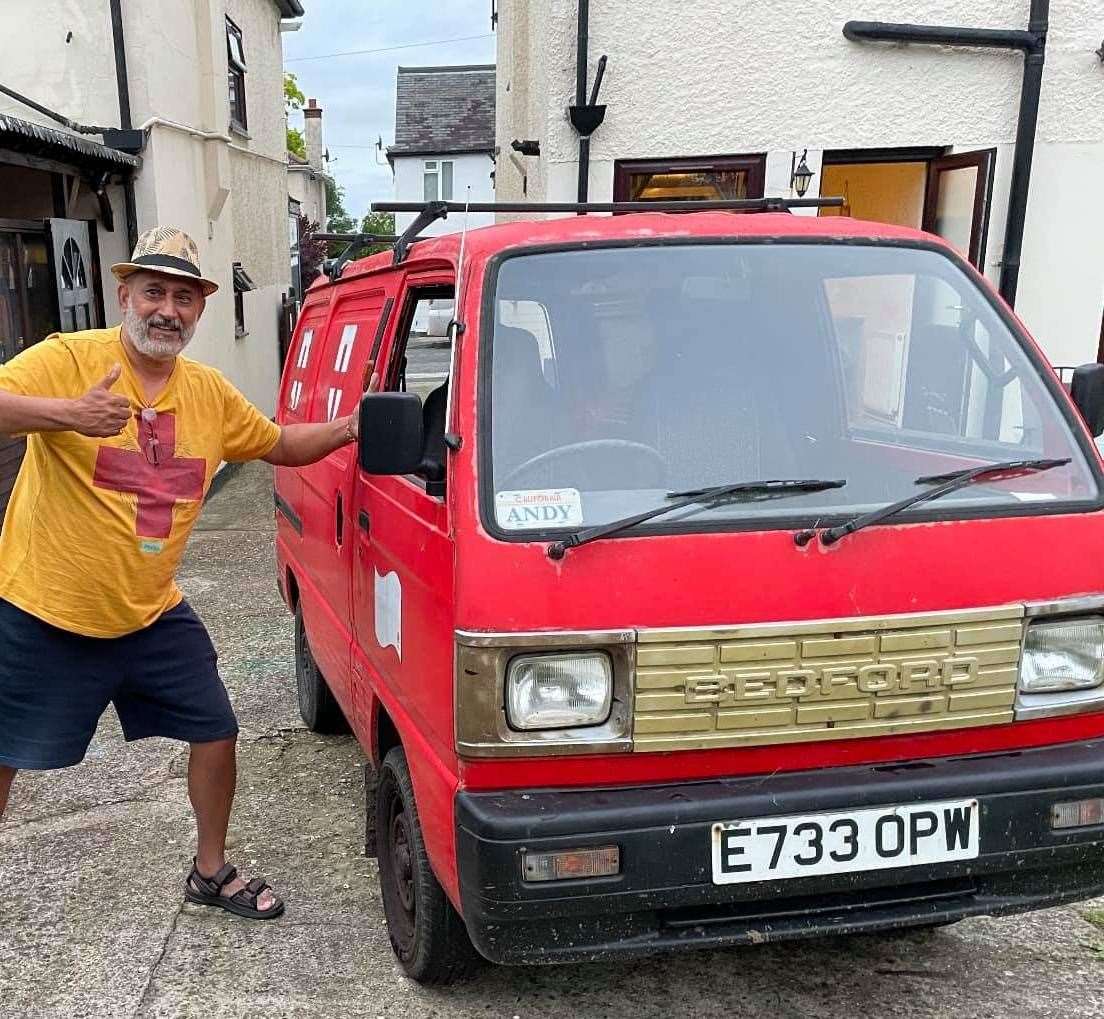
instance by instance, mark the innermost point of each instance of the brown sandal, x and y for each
(207, 891)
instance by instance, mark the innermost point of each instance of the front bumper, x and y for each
(664, 897)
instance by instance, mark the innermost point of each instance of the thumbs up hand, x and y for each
(101, 413)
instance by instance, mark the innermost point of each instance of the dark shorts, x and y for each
(55, 685)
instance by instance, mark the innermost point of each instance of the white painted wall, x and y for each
(308, 188)
(229, 193)
(469, 170)
(780, 76)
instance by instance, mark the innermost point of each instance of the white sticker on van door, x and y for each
(295, 395)
(304, 348)
(333, 404)
(389, 611)
(545, 507)
(345, 348)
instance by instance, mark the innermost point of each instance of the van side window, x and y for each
(420, 363)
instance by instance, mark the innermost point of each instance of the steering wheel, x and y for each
(589, 448)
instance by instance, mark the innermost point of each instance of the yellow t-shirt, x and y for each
(96, 528)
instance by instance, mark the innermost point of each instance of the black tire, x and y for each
(317, 706)
(428, 937)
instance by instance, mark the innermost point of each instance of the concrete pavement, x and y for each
(92, 861)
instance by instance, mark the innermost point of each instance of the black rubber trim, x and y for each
(381, 328)
(293, 518)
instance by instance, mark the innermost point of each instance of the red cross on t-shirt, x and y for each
(158, 488)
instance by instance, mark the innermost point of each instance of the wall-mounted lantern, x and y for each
(801, 175)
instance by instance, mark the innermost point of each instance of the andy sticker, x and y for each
(552, 507)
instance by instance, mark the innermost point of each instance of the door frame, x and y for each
(985, 160)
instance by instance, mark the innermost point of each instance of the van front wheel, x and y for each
(427, 934)
(317, 706)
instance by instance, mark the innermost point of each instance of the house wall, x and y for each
(781, 77)
(308, 188)
(469, 170)
(228, 191)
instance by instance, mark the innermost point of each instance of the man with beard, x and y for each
(124, 437)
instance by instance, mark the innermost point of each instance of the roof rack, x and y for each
(332, 267)
(429, 212)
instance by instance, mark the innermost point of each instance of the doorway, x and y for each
(28, 302)
(922, 188)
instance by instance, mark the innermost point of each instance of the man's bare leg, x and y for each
(212, 779)
(6, 776)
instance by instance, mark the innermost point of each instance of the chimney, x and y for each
(312, 129)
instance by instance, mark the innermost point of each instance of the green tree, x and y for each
(382, 223)
(294, 100)
(293, 95)
(378, 223)
(337, 216)
(296, 143)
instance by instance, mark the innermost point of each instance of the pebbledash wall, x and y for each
(226, 189)
(708, 78)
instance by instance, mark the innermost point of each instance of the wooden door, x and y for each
(72, 260)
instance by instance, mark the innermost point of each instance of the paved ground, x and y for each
(92, 860)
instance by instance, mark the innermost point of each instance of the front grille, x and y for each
(778, 683)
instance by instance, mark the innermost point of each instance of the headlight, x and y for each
(1064, 655)
(559, 691)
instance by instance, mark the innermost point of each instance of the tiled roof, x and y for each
(440, 110)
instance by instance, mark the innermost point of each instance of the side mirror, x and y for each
(1087, 391)
(391, 433)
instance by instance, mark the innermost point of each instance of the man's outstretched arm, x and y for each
(98, 413)
(299, 445)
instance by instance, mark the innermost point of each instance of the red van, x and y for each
(720, 578)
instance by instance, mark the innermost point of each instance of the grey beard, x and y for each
(137, 328)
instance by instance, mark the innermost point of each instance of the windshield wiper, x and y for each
(945, 484)
(703, 497)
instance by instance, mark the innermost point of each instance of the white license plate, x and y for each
(770, 848)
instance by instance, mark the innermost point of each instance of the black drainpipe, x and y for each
(126, 122)
(582, 47)
(585, 117)
(1033, 45)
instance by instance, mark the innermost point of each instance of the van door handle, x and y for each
(364, 522)
(339, 520)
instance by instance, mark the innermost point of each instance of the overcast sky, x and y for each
(357, 93)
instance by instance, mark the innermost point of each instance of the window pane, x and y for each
(620, 375)
(446, 181)
(425, 356)
(954, 207)
(11, 317)
(41, 293)
(234, 42)
(706, 185)
(430, 185)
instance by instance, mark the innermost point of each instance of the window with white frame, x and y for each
(437, 178)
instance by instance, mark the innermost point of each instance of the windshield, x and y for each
(619, 375)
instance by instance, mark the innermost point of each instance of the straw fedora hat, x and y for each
(168, 251)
